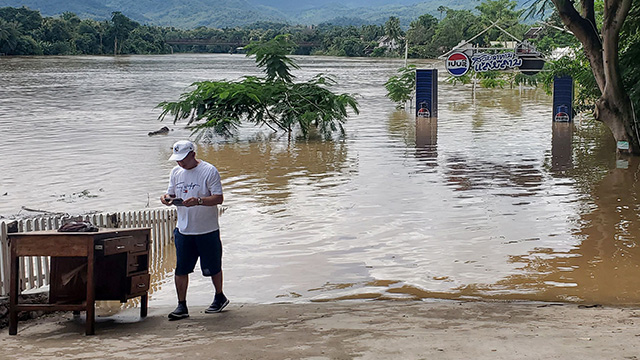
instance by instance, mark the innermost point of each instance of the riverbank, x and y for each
(341, 330)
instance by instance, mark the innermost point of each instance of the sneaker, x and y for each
(180, 312)
(219, 302)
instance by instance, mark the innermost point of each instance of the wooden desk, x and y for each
(110, 263)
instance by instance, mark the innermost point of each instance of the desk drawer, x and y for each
(115, 245)
(137, 262)
(140, 283)
(122, 244)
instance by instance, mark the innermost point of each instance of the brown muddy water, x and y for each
(489, 201)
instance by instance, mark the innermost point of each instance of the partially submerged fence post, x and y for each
(4, 259)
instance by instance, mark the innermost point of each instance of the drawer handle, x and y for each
(140, 244)
(135, 265)
(120, 247)
(141, 285)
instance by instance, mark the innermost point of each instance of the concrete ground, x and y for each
(341, 330)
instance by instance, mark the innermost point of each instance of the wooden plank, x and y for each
(51, 307)
(50, 245)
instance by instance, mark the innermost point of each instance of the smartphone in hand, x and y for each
(175, 201)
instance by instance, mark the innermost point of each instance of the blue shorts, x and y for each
(189, 248)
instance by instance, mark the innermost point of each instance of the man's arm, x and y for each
(211, 200)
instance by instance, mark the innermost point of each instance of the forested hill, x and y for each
(231, 13)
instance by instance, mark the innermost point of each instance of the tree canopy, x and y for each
(606, 36)
(275, 101)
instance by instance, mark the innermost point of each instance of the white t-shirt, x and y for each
(203, 180)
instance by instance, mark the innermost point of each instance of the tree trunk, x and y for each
(613, 107)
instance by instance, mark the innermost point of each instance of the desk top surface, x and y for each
(100, 231)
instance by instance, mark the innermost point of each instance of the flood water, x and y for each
(489, 201)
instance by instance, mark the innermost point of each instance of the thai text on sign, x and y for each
(487, 62)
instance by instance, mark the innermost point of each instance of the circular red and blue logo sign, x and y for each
(458, 64)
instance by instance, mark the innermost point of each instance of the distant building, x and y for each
(504, 44)
(389, 43)
(533, 33)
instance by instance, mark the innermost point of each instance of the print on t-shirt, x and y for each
(186, 188)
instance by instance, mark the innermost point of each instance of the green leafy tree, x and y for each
(553, 37)
(57, 37)
(503, 13)
(371, 32)
(420, 37)
(392, 28)
(629, 55)
(272, 57)
(146, 40)
(442, 9)
(9, 36)
(600, 38)
(119, 30)
(456, 26)
(28, 20)
(275, 101)
(400, 87)
(577, 66)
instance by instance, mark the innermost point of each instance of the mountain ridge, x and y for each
(231, 13)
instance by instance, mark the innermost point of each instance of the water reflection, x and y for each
(561, 149)
(427, 141)
(271, 172)
(603, 266)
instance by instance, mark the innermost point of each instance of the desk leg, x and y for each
(13, 296)
(144, 303)
(91, 295)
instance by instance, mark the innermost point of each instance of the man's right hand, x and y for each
(165, 199)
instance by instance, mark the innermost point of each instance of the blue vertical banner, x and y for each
(427, 93)
(563, 99)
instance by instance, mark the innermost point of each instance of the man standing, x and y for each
(195, 189)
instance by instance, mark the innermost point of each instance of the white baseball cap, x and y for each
(181, 149)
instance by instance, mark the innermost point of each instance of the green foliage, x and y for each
(552, 38)
(629, 55)
(400, 87)
(457, 25)
(420, 37)
(495, 79)
(586, 88)
(275, 101)
(25, 32)
(392, 28)
(492, 79)
(272, 57)
(504, 14)
(464, 79)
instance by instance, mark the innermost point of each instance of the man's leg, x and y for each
(217, 282)
(181, 312)
(219, 300)
(182, 283)
(187, 256)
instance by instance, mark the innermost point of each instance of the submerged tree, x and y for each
(275, 101)
(400, 87)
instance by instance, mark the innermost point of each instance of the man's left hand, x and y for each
(192, 201)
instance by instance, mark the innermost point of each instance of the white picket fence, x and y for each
(34, 271)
